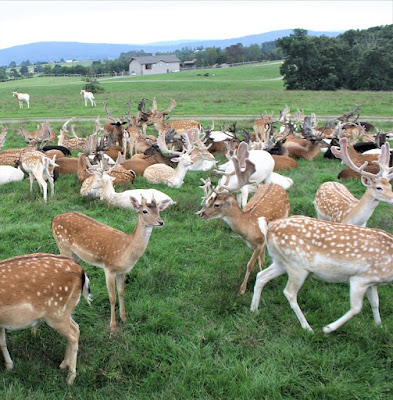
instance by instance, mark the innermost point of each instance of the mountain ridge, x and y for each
(54, 51)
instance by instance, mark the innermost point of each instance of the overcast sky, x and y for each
(141, 22)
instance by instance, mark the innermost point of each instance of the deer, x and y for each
(104, 182)
(105, 247)
(40, 288)
(270, 201)
(114, 126)
(162, 173)
(334, 202)
(264, 165)
(302, 246)
(22, 97)
(88, 96)
(261, 127)
(38, 167)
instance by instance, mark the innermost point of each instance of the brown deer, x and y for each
(261, 127)
(270, 201)
(108, 248)
(334, 202)
(333, 252)
(40, 288)
(114, 127)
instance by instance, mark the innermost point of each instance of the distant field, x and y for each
(244, 90)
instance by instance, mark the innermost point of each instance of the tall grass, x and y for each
(189, 334)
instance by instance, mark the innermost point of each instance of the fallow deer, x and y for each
(88, 96)
(162, 173)
(38, 288)
(22, 97)
(261, 127)
(108, 248)
(334, 202)
(270, 201)
(114, 126)
(333, 252)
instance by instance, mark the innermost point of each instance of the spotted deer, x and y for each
(110, 249)
(270, 201)
(333, 252)
(334, 202)
(261, 127)
(162, 173)
(36, 288)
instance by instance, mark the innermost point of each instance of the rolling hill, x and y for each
(54, 51)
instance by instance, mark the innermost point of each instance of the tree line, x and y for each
(354, 60)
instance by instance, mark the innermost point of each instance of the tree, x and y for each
(24, 70)
(12, 64)
(234, 53)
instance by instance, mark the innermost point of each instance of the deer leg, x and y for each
(120, 292)
(372, 295)
(357, 291)
(250, 266)
(296, 279)
(261, 258)
(3, 345)
(50, 179)
(42, 184)
(110, 284)
(31, 179)
(263, 278)
(70, 330)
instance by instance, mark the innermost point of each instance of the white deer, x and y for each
(21, 98)
(88, 96)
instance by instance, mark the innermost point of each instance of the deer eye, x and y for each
(379, 188)
(144, 211)
(216, 205)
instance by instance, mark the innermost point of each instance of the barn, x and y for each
(149, 65)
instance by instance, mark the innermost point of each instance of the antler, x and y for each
(64, 127)
(170, 108)
(383, 160)
(108, 114)
(3, 134)
(163, 146)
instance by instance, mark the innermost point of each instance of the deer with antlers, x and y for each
(162, 173)
(42, 288)
(270, 201)
(108, 248)
(334, 202)
(114, 126)
(261, 127)
(333, 252)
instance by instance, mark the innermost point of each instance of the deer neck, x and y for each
(108, 190)
(138, 240)
(244, 224)
(179, 174)
(362, 210)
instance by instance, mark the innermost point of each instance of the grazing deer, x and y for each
(162, 173)
(40, 288)
(22, 97)
(104, 247)
(88, 96)
(334, 202)
(333, 252)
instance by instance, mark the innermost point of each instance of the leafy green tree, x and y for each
(24, 70)
(12, 64)
(93, 85)
(234, 53)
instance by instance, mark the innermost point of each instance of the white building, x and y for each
(148, 65)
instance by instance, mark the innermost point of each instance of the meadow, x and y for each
(189, 334)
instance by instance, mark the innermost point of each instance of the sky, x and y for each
(142, 22)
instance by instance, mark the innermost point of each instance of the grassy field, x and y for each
(189, 335)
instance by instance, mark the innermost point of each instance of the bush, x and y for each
(93, 85)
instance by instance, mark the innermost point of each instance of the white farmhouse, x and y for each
(148, 65)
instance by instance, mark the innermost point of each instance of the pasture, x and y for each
(189, 333)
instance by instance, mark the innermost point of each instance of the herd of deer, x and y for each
(336, 247)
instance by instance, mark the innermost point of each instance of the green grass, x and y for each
(189, 334)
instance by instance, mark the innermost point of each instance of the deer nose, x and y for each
(160, 222)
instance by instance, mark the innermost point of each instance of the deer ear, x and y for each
(135, 203)
(162, 205)
(366, 180)
(175, 159)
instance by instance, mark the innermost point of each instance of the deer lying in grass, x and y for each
(42, 288)
(264, 165)
(334, 202)
(104, 247)
(104, 181)
(333, 252)
(162, 173)
(270, 201)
